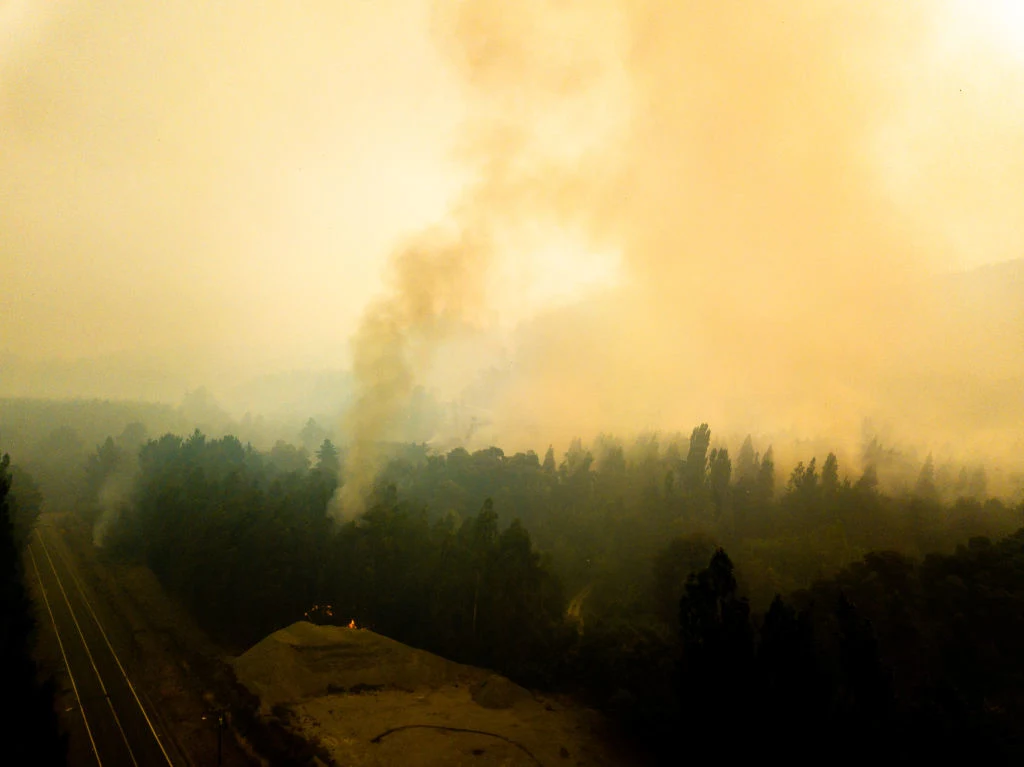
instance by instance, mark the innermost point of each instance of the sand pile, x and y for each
(306, 661)
(364, 699)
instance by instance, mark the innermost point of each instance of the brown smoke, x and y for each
(773, 280)
(436, 289)
(524, 137)
(667, 212)
(740, 157)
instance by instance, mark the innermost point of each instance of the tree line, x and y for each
(604, 573)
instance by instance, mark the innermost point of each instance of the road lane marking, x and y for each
(88, 652)
(117, 660)
(67, 665)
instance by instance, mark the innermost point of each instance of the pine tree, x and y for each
(766, 478)
(549, 461)
(327, 459)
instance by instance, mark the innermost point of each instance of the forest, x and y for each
(665, 356)
(29, 730)
(664, 582)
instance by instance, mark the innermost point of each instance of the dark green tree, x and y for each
(327, 459)
(716, 667)
(765, 488)
(792, 689)
(549, 461)
(29, 728)
(577, 461)
(866, 698)
(925, 487)
(479, 536)
(684, 556)
(25, 502)
(719, 473)
(830, 476)
(747, 462)
(695, 468)
(803, 491)
(867, 483)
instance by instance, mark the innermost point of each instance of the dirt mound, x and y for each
(362, 699)
(305, 661)
(498, 692)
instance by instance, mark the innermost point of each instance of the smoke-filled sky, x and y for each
(647, 214)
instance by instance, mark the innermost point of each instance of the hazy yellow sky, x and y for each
(220, 185)
(178, 173)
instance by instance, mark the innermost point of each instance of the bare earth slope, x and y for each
(365, 699)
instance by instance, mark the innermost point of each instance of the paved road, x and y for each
(121, 733)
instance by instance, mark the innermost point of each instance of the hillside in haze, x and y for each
(966, 362)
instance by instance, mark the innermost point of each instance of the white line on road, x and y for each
(67, 665)
(88, 652)
(131, 687)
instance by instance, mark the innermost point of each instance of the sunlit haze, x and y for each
(573, 216)
(511, 382)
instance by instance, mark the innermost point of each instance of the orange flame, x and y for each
(352, 624)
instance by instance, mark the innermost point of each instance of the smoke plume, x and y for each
(749, 165)
(526, 138)
(775, 277)
(637, 214)
(436, 290)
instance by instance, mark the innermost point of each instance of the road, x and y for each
(119, 730)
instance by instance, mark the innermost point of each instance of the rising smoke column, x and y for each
(535, 84)
(436, 289)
